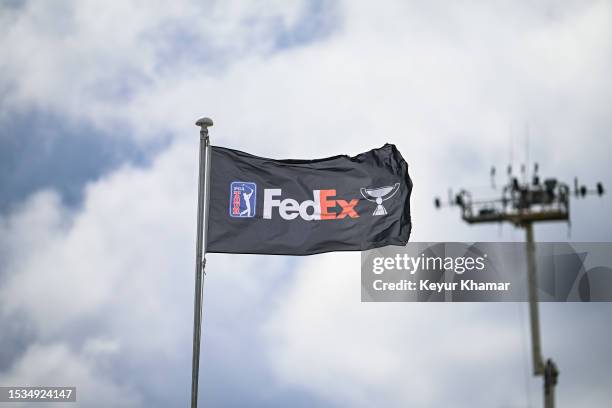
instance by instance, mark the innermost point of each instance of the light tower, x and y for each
(524, 203)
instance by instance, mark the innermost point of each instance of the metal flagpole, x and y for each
(203, 190)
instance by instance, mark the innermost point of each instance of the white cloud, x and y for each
(56, 365)
(79, 59)
(364, 354)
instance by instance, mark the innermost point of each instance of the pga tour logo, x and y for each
(242, 199)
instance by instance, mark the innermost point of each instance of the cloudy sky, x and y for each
(98, 166)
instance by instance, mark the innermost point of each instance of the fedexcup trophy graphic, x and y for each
(378, 195)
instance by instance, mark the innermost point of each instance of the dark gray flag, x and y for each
(302, 207)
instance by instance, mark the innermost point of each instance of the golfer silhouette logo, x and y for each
(247, 202)
(242, 199)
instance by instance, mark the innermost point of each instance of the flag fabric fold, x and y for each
(302, 207)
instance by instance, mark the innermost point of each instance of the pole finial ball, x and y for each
(204, 122)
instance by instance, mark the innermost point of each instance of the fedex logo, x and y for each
(321, 207)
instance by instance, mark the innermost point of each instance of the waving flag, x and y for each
(302, 207)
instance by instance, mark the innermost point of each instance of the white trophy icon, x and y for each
(378, 195)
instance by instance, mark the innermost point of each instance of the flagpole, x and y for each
(203, 190)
